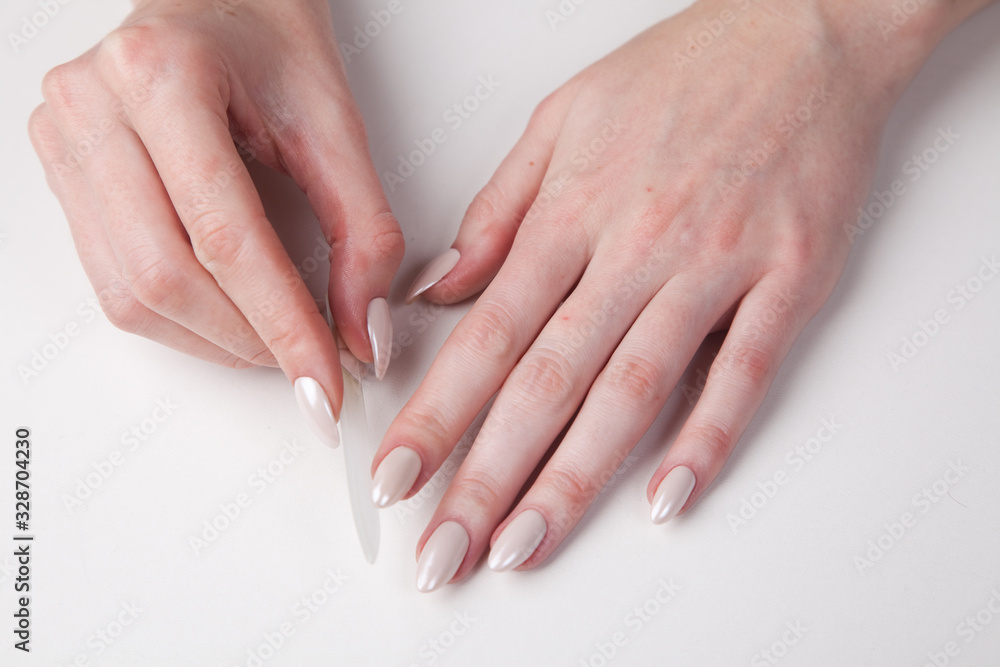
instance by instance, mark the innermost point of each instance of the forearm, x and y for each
(889, 40)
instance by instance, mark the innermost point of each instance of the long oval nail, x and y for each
(315, 407)
(380, 333)
(442, 555)
(432, 274)
(518, 541)
(671, 494)
(395, 476)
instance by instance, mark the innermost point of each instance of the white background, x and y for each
(793, 562)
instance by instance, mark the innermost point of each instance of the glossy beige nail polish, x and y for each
(380, 334)
(442, 555)
(395, 476)
(671, 494)
(315, 407)
(518, 541)
(437, 269)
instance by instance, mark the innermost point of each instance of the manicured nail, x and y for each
(433, 273)
(395, 476)
(442, 555)
(671, 494)
(316, 408)
(518, 541)
(380, 333)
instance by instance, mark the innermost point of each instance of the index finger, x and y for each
(187, 135)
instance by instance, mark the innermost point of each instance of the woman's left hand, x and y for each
(652, 200)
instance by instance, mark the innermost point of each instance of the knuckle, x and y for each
(574, 487)
(548, 107)
(63, 85)
(155, 281)
(480, 491)
(233, 361)
(494, 217)
(217, 242)
(139, 54)
(261, 356)
(634, 379)
(386, 243)
(490, 332)
(545, 376)
(486, 204)
(284, 339)
(715, 441)
(751, 364)
(428, 423)
(121, 307)
(724, 236)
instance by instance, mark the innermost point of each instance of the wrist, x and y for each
(885, 42)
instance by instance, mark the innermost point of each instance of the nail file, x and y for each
(357, 448)
(358, 457)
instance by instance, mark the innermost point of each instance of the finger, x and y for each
(185, 129)
(153, 252)
(492, 220)
(325, 150)
(623, 402)
(474, 361)
(541, 395)
(768, 321)
(98, 260)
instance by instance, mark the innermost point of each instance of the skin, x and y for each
(137, 140)
(659, 195)
(718, 202)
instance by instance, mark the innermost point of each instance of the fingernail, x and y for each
(380, 333)
(395, 476)
(671, 494)
(433, 273)
(518, 541)
(315, 406)
(442, 555)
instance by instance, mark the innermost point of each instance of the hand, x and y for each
(661, 194)
(137, 139)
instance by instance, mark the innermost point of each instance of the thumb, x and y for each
(495, 215)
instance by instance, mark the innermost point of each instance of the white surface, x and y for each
(792, 563)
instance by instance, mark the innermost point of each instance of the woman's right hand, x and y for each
(137, 140)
